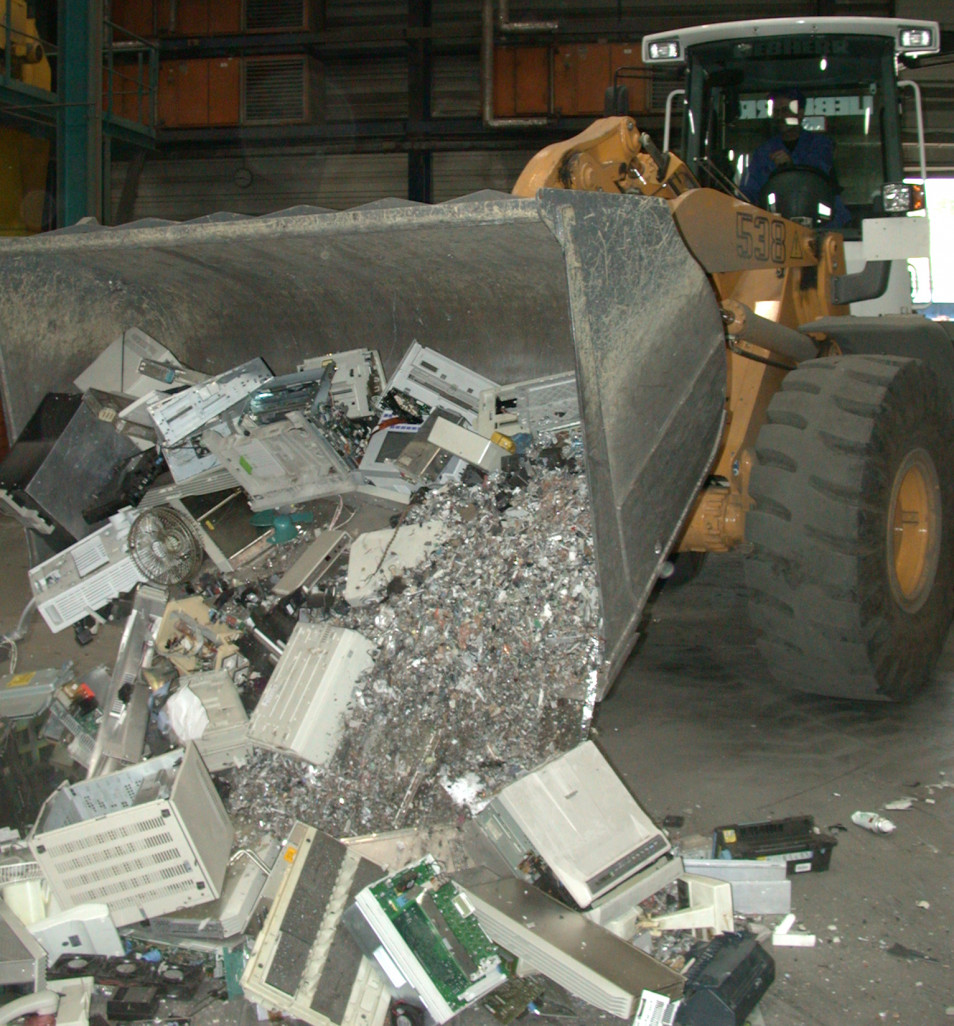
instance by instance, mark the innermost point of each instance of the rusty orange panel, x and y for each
(130, 98)
(225, 17)
(193, 92)
(532, 80)
(135, 105)
(581, 74)
(225, 90)
(184, 17)
(629, 55)
(504, 81)
(138, 99)
(192, 17)
(136, 16)
(521, 80)
(167, 115)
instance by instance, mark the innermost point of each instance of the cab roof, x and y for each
(910, 35)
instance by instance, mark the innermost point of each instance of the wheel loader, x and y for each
(741, 381)
(834, 466)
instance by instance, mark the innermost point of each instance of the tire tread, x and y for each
(825, 618)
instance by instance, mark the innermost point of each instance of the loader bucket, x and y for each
(511, 288)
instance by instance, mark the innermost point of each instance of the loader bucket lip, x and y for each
(650, 354)
(382, 215)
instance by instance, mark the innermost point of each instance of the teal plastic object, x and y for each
(284, 524)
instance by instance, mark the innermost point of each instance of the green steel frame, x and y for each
(83, 116)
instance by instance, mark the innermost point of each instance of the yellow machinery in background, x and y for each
(24, 158)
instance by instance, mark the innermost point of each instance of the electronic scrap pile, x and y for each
(351, 605)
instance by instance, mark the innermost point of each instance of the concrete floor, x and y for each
(696, 728)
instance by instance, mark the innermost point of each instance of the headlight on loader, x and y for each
(664, 50)
(916, 38)
(902, 197)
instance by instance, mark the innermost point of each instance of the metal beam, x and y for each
(79, 122)
(19, 101)
(386, 135)
(131, 132)
(420, 184)
(368, 41)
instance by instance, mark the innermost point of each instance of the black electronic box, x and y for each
(793, 841)
(725, 980)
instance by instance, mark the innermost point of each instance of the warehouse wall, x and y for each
(457, 174)
(182, 189)
(258, 183)
(358, 87)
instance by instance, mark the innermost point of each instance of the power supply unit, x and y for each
(145, 840)
(301, 707)
(573, 818)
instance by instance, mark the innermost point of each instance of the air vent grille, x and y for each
(272, 15)
(276, 90)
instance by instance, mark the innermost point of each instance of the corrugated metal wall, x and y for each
(457, 174)
(456, 87)
(184, 188)
(365, 89)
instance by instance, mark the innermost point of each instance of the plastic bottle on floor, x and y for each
(874, 822)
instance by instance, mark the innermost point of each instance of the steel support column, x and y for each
(79, 137)
(420, 180)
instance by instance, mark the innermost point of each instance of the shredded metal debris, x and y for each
(486, 665)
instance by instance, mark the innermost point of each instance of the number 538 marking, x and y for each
(760, 238)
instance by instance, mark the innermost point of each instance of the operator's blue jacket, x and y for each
(812, 149)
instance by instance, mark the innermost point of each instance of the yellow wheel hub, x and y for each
(914, 530)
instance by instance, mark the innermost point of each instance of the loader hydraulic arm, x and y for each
(768, 274)
(609, 156)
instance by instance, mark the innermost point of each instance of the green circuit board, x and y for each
(439, 926)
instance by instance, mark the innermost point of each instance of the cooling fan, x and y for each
(164, 546)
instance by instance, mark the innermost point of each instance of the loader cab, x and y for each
(841, 75)
(845, 73)
(844, 97)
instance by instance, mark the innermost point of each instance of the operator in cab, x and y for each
(791, 146)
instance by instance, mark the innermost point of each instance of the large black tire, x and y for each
(851, 570)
